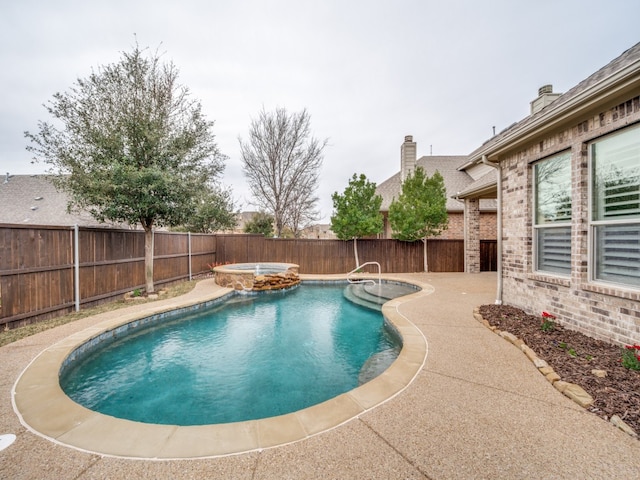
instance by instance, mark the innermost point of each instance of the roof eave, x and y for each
(489, 191)
(616, 85)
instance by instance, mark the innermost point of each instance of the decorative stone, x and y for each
(509, 336)
(545, 370)
(488, 325)
(561, 385)
(578, 395)
(531, 355)
(599, 373)
(618, 422)
(539, 363)
(552, 377)
(248, 279)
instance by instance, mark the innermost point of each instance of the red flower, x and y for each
(548, 315)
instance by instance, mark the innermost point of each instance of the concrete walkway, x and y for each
(477, 409)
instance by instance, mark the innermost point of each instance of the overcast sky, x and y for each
(368, 72)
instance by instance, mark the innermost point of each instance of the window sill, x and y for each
(562, 281)
(612, 290)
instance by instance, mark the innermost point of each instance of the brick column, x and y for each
(472, 235)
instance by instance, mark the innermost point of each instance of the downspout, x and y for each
(498, 227)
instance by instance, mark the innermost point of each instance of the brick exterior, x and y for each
(455, 229)
(472, 239)
(607, 312)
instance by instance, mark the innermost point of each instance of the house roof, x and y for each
(455, 180)
(34, 200)
(483, 187)
(615, 79)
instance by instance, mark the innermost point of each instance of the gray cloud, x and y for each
(368, 72)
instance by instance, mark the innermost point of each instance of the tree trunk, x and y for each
(424, 243)
(148, 259)
(355, 251)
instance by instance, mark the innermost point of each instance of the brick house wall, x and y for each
(610, 313)
(455, 228)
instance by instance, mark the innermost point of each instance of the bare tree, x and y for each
(282, 163)
(302, 214)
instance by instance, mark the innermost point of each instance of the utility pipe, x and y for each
(486, 161)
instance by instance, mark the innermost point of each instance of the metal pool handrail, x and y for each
(364, 280)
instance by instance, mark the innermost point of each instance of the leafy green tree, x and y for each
(130, 145)
(262, 223)
(420, 211)
(214, 211)
(357, 212)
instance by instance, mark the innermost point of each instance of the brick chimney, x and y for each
(545, 97)
(407, 157)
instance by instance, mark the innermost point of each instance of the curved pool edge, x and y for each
(45, 409)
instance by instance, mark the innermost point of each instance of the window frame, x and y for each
(592, 254)
(537, 227)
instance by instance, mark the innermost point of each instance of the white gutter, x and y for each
(498, 227)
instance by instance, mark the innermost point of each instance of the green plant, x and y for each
(137, 293)
(631, 357)
(548, 324)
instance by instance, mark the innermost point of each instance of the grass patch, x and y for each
(10, 336)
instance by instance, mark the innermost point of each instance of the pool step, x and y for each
(374, 296)
(356, 293)
(389, 291)
(376, 364)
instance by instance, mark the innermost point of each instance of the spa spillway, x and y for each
(257, 276)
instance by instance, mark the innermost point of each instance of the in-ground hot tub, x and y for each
(257, 276)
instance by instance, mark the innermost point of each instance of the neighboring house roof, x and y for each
(455, 180)
(34, 200)
(615, 78)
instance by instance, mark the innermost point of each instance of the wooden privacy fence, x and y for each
(40, 266)
(336, 256)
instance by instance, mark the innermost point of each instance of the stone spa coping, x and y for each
(47, 411)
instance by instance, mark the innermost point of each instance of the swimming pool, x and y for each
(251, 357)
(45, 410)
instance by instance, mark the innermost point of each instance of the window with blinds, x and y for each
(552, 216)
(615, 208)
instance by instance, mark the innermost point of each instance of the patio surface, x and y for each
(477, 408)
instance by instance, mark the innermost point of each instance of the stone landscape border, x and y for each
(570, 390)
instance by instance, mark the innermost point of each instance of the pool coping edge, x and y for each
(44, 409)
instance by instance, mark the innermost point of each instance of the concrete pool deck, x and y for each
(477, 408)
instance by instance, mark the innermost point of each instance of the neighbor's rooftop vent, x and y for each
(545, 97)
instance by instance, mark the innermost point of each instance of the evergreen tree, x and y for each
(261, 223)
(420, 211)
(130, 145)
(357, 212)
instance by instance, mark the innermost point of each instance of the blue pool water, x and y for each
(251, 357)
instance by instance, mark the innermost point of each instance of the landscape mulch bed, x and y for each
(573, 356)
